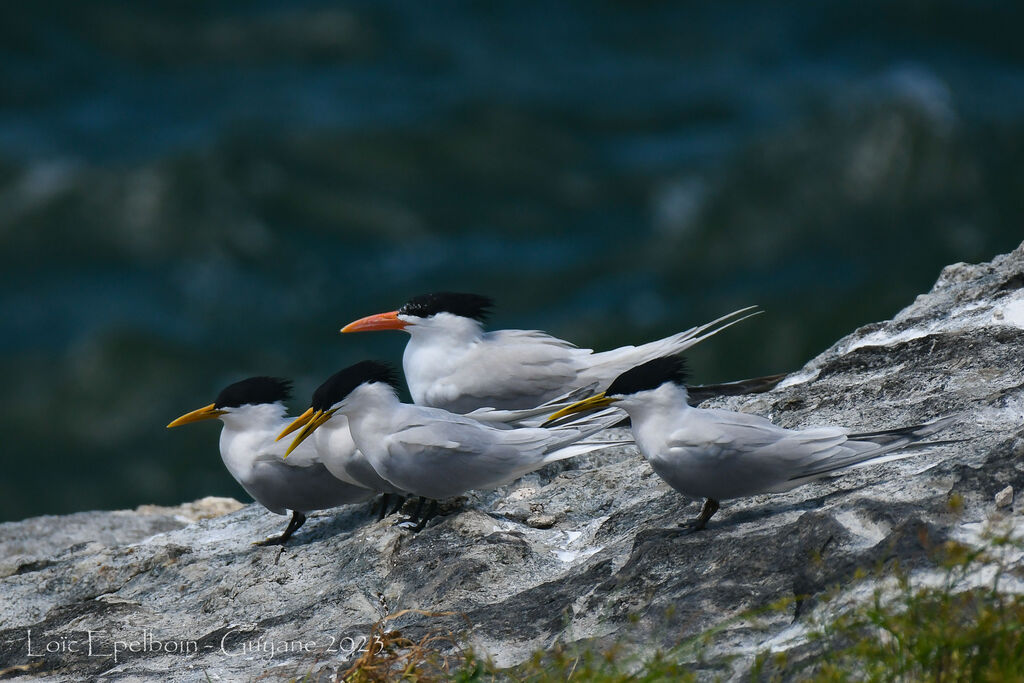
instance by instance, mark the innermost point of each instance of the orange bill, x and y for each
(380, 321)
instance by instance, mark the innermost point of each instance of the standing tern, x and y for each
(451, 363)
(720, 454)
(431, 452)
(253, 414)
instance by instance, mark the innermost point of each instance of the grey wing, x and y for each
(733, 454)
(360, 469)
(532, 417)
(516, 369)
(762, 457)
(441, 459)
(278, 486)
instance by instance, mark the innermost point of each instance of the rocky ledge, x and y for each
(587, 550)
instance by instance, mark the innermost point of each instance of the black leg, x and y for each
(706, 512)
(415, 513)
(431, 512)
(297, 520)
(383, 502)
(399, 502)
(419, 509)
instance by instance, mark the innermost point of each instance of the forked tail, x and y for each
(870, 448)
(581, 436)
(605, 366)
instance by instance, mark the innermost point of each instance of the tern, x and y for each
(450, 362)
(253, 414)
(334, 444)
(431, 452)
(720, 454)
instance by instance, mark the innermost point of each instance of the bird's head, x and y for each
(634, 385)
(336, 392)
(428, 311)
(242, 400)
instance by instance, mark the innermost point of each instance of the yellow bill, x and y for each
(205, 413)
(300, 421)
(592, 403)
(315, 420)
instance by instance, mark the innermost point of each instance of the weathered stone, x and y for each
(583, 550)
(1005, 497)
(204, 508)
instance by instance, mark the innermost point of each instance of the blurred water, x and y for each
(195, 192)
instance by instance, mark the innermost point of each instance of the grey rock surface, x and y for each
(584, 550)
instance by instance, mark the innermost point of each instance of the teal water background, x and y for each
(195, 192)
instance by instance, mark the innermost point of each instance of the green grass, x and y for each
(959, 629)
(611, 665)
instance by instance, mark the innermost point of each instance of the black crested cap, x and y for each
(650, 375)
(254, 391)
(342, 383)
(472, 306)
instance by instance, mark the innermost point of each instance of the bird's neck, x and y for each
(370, 409)
(266, 417)
(249, 432)
(648, 410)
(445, 329)
(333, 435)
(435, 350)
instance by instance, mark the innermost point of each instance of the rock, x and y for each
(1005, 497)
(204, 508)
(542, 521)
(583, 550)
